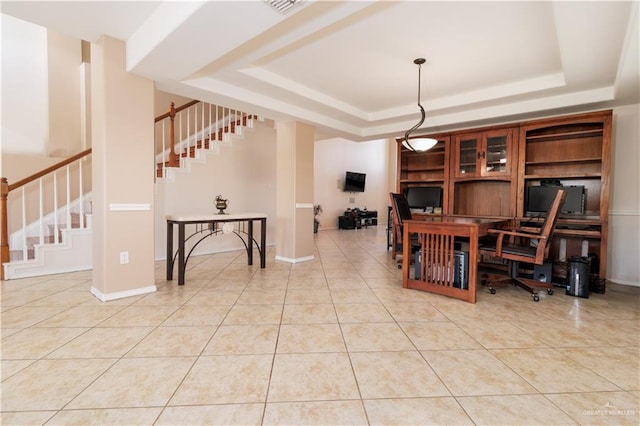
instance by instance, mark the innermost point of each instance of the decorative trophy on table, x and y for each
(221, 204)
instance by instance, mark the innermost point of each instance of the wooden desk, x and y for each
(212, 222)
(436, 236)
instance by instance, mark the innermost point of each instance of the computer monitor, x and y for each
(422, 197)
(539, 199)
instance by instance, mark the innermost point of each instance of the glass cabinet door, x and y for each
(467, 156)
(496, 157)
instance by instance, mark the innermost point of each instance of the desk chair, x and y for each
(400, 212)
(523, 246)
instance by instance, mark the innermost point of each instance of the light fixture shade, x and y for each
(420, 144)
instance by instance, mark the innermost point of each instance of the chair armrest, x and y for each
(512, 234)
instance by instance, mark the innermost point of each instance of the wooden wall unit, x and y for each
(487, 172)
(429, 168)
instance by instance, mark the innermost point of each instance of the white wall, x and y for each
(24, 87)
(332, 158)
(624, 216)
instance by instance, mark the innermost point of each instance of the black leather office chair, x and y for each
(523, 246)
(400, 212)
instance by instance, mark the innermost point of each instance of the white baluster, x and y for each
(41, 212)
(81, 195)
(164, 158)
(56, 230)
(24, 225)
(68, 199)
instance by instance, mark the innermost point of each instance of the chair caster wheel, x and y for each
(550, 291)
(536, 298)
(399, 266)
(483, 282)
(492, 290)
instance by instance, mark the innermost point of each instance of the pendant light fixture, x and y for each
(418, 144)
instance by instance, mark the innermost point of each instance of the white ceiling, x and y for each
(347, 66)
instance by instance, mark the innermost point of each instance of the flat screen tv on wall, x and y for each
(354, 182)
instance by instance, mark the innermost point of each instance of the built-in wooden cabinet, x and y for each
(489, 172)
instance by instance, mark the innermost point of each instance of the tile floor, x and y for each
(331, 341)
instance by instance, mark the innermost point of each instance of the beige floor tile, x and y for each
(261, 297)
(50, 384)
(347, 282)
(307, 338)
(549, 371)
(611, 332)
(414, 312)
(64, 298)
(308, 296)
(557, 334)
(10, 367)
(168, 297)
(135, 382)
(395, 375)
(618, 365)
(438, 335)
(599, 408)
(416, 411)
(23, 418)
(209, 297)
(511, 410)
(102, 342)
(309, 314)
(490, 376)
(319, 413)
(206, 415)
(362, 312)
(140, 316)
(173, 341)
(243, 339)
(253, 314)
(197, 315)
(225, 379)
(347, 295)
(34, 343)
(312, 377)
(81, 316)
(26, 316)
(365, 337)
(501, 334)
(114, 416)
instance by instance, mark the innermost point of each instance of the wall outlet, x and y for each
(352, 200)
(124, 257)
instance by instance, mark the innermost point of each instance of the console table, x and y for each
(213, 222)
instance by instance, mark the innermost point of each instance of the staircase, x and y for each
(45, 244)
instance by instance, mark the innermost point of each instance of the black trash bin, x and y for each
(578, 274)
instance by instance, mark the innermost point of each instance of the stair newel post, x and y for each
(4, 225)
(173, 157)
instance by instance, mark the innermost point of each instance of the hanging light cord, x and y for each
(419, 63)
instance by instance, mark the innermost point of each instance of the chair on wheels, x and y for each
(523, 246)
(400, 212)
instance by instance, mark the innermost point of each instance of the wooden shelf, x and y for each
(565, 135)
(564, 176)
(434, 180)
(423, 169)
(565, 161)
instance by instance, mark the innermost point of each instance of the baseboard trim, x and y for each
(122, 294)
(297, 260)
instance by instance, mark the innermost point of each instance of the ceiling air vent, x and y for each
(283, 6)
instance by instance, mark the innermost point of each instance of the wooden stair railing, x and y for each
(6, 188)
